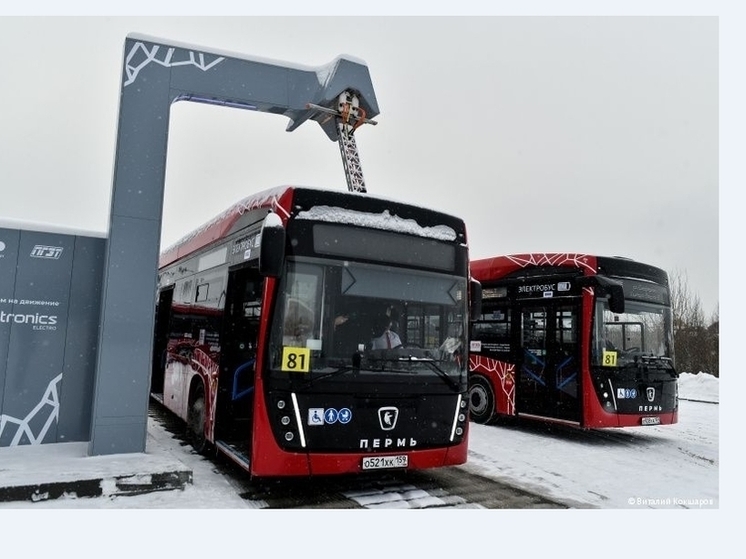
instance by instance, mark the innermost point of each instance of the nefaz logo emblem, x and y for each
(387, 417)
(650, 393)
(44, 251)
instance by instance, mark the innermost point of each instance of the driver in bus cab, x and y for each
(387, 338)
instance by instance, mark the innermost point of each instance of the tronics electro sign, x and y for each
(49, 310)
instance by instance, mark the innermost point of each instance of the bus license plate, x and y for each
(384, 462)
(651, 420)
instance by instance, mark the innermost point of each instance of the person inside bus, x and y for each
(387, 338)
(347, 332)
(451, 346)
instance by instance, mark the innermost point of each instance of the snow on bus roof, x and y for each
(266, 198)
(269, 198)
(383, 220)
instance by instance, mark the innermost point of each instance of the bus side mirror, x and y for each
(606, 287)
(614, 291)
(475, 299)
(272, 246)
(616, 299)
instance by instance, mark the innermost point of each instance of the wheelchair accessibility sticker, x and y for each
(626, 393)
(328, 416)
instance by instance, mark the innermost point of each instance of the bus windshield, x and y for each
(341, 320)
(640, 335)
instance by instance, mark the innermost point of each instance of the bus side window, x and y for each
(534, 331)
(246, 329)
(492, 328)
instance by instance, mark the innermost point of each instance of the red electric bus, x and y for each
(265, 334)
(573, 338)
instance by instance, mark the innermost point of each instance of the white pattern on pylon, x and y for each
(195, 59)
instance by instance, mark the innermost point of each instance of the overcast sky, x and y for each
(570, 134)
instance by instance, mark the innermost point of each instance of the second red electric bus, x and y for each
(573, 338)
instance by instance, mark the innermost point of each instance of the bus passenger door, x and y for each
(238, 354)
(160, 343)
(549, 363)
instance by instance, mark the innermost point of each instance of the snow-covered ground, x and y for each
(672, 466)
(664, 467)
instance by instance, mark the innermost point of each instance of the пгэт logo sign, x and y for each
(44, 251)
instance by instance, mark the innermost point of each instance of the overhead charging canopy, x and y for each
(155, 74)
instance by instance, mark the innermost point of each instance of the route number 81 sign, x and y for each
(296, 359)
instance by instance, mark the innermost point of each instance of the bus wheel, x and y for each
(196, 422)
(481, 400)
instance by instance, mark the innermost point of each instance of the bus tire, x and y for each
(196, 421)
(481, 400)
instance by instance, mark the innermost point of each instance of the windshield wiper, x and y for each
(442, 374)
(340, 371)
(430, 362)
(649, 362)
(658, 362)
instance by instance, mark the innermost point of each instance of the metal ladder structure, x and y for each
(349, 117)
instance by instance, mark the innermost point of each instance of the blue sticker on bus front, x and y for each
(345, 415)
(330, 415)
